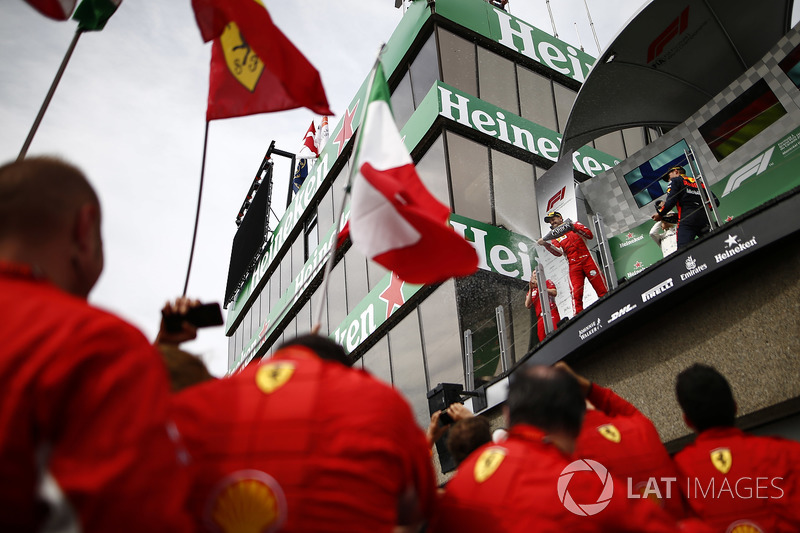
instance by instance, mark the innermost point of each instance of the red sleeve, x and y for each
(103, 413)
(550, 284)
(582, 230)
(610, 402)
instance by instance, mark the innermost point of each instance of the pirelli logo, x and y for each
(658, 289)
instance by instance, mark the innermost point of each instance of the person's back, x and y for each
(730, 478)
(331, 447)
(83, 422)
(622, 439)
(530, 483)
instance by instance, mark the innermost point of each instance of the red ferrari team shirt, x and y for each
(622, 439)
(527, 484)
(303, 444)
(742, 483)
(84, 412)
(572, 242)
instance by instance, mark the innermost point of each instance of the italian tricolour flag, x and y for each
(394, 219)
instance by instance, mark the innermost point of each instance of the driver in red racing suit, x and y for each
(581, 262)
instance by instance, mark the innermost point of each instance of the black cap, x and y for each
(550, 215)
(679, 168)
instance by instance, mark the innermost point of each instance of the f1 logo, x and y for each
(556, 198)
(675, 28)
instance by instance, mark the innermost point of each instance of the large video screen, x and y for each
(645, 180)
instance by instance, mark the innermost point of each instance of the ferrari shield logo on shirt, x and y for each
(272, 376)
(744, 526)
(242, 62)
(488, 463)
(722, 459)
(610, 432)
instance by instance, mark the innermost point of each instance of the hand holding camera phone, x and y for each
(200, 316)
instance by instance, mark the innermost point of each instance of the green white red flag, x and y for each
(92, 15)
(394, 219)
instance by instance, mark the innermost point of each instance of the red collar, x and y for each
(18, 270)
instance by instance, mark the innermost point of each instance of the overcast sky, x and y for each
(130, 111)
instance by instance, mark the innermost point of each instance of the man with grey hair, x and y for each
(84, 439)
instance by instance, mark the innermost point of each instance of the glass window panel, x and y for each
(469, 174)
(247, 326)
(356, 275)
(514, 195)
(264, 301)
(564, 100)
(634, 140)
(325, 212)
(498, 84)
(748, 115)
(231, 350)
(403, 101)
(315, 298)
(536, 98)
(424, 70)
(790, 65)
(478, 315)
(376, 273)
(458, 62)
(653, 134)
(338, 190)
(521, 323)
(337, 297)
(611, 143)
(376, 361)
(275, 288)
(286, 271)
(304, 319)
(298, 251)
(441, 335)
(256, 311)
(408, 368)
(433, 172)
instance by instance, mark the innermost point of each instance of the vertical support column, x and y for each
(709, 205)
(468, 361)
(501, 337)
(605, 252)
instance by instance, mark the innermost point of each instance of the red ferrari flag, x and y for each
(254, 67)
(394, 219)
(309, 149)
(55, 9)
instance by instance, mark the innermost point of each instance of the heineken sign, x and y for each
(497, 123)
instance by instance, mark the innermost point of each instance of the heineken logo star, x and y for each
(729, 218)
(630, 235)
(731, 241)
(393, 295)
(638, 264)
(347, 130)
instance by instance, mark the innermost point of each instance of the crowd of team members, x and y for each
(92, 438)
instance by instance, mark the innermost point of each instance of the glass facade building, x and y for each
(481, 99)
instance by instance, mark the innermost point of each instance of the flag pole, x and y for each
(329, 265)
(197, 214)
(49, 96)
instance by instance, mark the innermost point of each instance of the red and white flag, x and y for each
(322, 135)
(309, 149)
(254, 67)
(55, 9)
(394, 219)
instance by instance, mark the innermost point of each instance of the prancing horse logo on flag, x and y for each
(243, 63)
(722, 459)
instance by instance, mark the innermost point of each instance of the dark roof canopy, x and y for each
(670, 59)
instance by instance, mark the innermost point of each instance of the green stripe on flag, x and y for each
(92, 15)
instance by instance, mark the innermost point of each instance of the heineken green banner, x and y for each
(634, 251)
(500, 124)
(514, 33)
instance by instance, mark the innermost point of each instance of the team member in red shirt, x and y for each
(84, 441)
(734, 481)
(621, 438)
(532, 299)
(530, 483)
(581, 262)
(302, 442)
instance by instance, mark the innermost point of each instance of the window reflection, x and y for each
(458, 62)
(440, 332)
(376, 361)
(514, 195)
(536, 98)
(408, 369)
(424, 70)
(433, 172)
(402, 101)
(469, 174)
(498, 83)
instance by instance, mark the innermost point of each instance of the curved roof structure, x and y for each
(669, 60)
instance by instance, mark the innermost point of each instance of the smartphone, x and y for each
(202, 316)
(445, 418)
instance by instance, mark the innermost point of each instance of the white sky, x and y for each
(130, 111)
